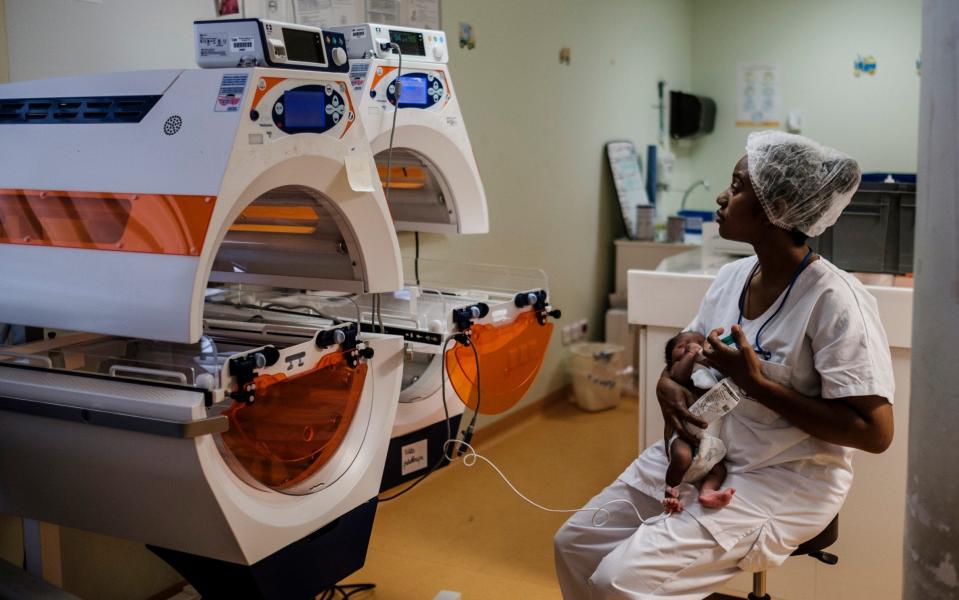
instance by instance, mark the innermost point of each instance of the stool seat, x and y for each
(827, 537)
(814, 548)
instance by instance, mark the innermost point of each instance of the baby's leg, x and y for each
(681, 456)
(710, 495)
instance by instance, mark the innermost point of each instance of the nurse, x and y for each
(813, 359)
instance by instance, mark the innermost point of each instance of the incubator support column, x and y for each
(931, 556)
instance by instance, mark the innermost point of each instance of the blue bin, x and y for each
(695, 219)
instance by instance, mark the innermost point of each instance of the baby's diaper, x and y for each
(711, 451)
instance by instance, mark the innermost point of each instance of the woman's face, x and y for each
(740, 216)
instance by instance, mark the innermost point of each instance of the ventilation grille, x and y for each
(91, 109)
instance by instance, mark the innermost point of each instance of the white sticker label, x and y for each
(212, 44)
(358, 73)
(241, 44)
(359, 32)
(230, 96)
(413, 457)
(358, 172)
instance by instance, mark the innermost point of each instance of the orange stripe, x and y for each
(449, 91)
(269, 83)
(379, 76)
(345, 89)
(151, 223)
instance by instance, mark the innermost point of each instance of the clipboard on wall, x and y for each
(628, 180)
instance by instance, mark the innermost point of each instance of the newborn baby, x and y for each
(704, 461)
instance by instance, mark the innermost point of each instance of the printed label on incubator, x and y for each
(413, 457)
(358, 72)
(212, 44)
(230, 95)
(241, 44)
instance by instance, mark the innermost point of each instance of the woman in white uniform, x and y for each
(813, 359)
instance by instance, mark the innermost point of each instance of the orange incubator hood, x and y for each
(510, 355)
(296, 424)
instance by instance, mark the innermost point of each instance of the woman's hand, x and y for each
(742, 364)
(673, 400)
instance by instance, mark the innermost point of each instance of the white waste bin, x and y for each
(597, 371)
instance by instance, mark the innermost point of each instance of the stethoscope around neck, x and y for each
(757, 346)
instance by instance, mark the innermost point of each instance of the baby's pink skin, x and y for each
(716, 498)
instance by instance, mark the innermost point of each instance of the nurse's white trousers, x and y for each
(675, 558)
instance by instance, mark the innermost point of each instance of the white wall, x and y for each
(52, 38)
(873, 118)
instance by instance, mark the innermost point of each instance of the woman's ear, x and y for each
(779, 207)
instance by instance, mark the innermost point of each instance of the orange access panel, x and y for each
(510, 356)
(151, 223)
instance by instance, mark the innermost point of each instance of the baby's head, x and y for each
(687, 341)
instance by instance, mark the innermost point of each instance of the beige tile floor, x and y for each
(462, 529)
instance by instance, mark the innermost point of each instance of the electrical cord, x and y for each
(396, 110)
(346, 591)
(273, 308)
(416, 257)
(462, 447)
(470, 458)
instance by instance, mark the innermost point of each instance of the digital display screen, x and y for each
(410, 42)
(304, 109)
(304, 46)
(412, 91)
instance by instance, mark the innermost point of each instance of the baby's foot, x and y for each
(671, 502)
(716, 498)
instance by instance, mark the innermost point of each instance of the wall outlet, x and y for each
(574, 332)
(582, 328)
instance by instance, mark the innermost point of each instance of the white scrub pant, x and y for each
(675, 558)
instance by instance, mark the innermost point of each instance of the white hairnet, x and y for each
(801, 185)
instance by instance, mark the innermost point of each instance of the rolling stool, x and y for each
(813, 548)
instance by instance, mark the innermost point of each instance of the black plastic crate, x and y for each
(875, 232)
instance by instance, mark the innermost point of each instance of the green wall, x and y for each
(815, 42)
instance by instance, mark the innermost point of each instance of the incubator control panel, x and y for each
(292, 106)
(421, 89)
(370, 40)
(260, 43)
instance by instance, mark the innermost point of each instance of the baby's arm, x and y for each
(682, 370)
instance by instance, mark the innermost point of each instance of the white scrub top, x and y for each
(827, 341)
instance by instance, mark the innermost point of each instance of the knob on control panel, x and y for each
(438, 52)
(339, 56)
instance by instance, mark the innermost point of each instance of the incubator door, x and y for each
(161, 429)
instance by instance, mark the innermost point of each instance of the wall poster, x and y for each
(757, 95)
(423, 14)
(328, 13)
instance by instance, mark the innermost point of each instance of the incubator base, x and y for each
(301, 570)
(411, 455)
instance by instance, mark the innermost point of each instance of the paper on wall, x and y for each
(328, 13)
(386, 12)
(274, 10)
(757, 95)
